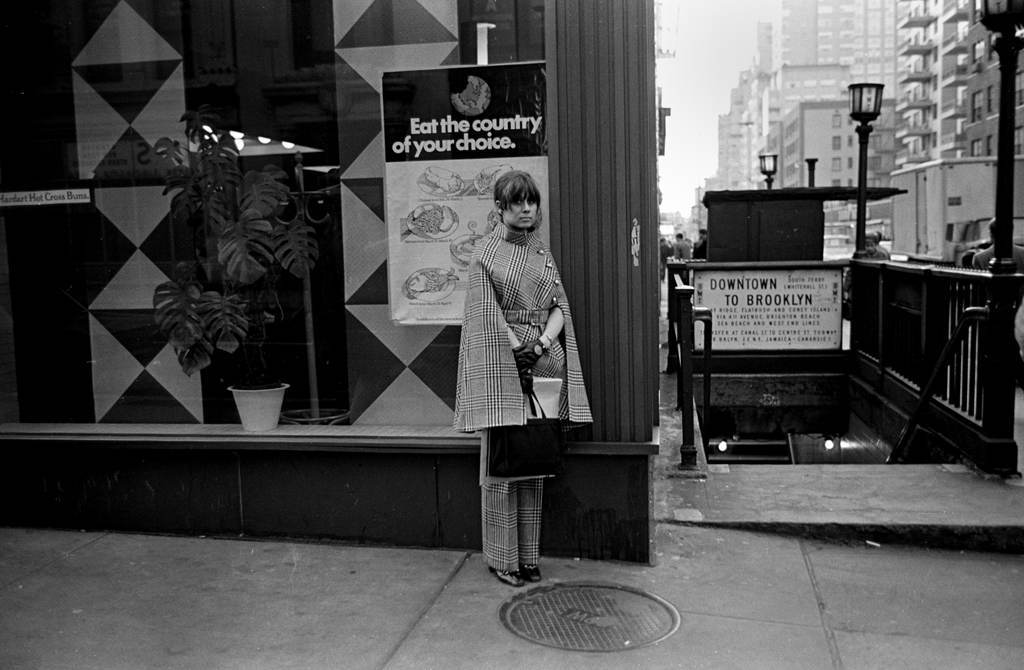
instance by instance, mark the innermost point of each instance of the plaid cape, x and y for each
(511, 273)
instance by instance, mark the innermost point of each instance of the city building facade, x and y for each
(981, 95)
(933, 74)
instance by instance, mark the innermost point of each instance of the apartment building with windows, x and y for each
(741, 130)
(981, 95)
(823, 130)
(933, 60)
(857, 33)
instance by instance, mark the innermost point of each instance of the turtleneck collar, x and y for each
(516, 236)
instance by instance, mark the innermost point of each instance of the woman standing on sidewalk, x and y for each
(517, 324)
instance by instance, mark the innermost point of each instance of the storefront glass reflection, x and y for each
(96, 87)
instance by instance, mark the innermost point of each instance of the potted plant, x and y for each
(225, 298)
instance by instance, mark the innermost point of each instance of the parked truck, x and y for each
(947, 207)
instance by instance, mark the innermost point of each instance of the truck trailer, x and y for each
(947, 207)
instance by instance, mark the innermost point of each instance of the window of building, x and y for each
(988, 100)
(988, 145)
(849, 162)
(837, 182)
(976, 147)
(849, 140)
(1019, 88)
(1018, 140)
(976, 102)
(837, 143)
(837, 120)
(837, 164)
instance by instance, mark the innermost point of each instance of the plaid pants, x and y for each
(510, 514)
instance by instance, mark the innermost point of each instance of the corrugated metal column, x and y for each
(603, 176)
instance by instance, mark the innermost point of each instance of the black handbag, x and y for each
(530, 450)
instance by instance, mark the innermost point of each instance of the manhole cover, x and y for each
(589, 616)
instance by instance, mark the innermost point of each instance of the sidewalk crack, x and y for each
(44, 566)
(423, 610)
(830, 636)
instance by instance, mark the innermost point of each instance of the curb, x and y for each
(999, 539)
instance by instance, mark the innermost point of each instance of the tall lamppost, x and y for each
(865, 105)
(1004, 17)
(768, 167)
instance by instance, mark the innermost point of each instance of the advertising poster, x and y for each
(771, 309)
(449, 133)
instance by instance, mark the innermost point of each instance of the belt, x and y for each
(532, 317)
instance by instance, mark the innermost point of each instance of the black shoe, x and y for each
(511, 578)
(530, 572)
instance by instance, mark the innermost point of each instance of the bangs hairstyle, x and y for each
(516, 186)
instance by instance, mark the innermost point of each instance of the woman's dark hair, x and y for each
(516, 186)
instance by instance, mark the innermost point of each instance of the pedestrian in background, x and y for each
(700, 248)
(873, 251)
(665, 252)
(517, 324)
(682, 249)
(982, 258)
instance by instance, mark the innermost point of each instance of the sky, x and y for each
(716, 41)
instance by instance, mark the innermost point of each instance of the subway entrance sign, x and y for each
(773, 306)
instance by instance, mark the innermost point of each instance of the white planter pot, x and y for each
(259, 409)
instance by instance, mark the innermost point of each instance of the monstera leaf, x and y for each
(295, 247)
(244, 248)
(263, 191)
(177, 316)
(224, 320)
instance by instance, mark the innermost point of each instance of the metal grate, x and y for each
(589, 616)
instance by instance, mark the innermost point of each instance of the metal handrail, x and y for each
(684, 315)
(969, 314)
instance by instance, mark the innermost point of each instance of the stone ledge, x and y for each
(365, 438)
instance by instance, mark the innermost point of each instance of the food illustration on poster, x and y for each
(474, 99)
(430, 221)
(430, 284)
(461, 248)
(449, 134)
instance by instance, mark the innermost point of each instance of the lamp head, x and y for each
(769, 164)
(1002, 16)
(866, 101)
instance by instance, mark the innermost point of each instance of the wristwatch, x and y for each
(540, 347)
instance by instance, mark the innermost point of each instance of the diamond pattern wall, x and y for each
(135, 375)
(391, 368)
(415, 383)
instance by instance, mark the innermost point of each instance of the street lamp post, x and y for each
(768, 167)
(865, 105)
(1004, 17)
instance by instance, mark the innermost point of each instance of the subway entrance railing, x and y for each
(796, 406)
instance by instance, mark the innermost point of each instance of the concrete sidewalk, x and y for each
(746, 600)
(792, 598)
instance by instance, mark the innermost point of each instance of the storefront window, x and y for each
(87, 236)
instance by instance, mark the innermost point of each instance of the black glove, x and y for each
(526, 380)
(526, 354)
